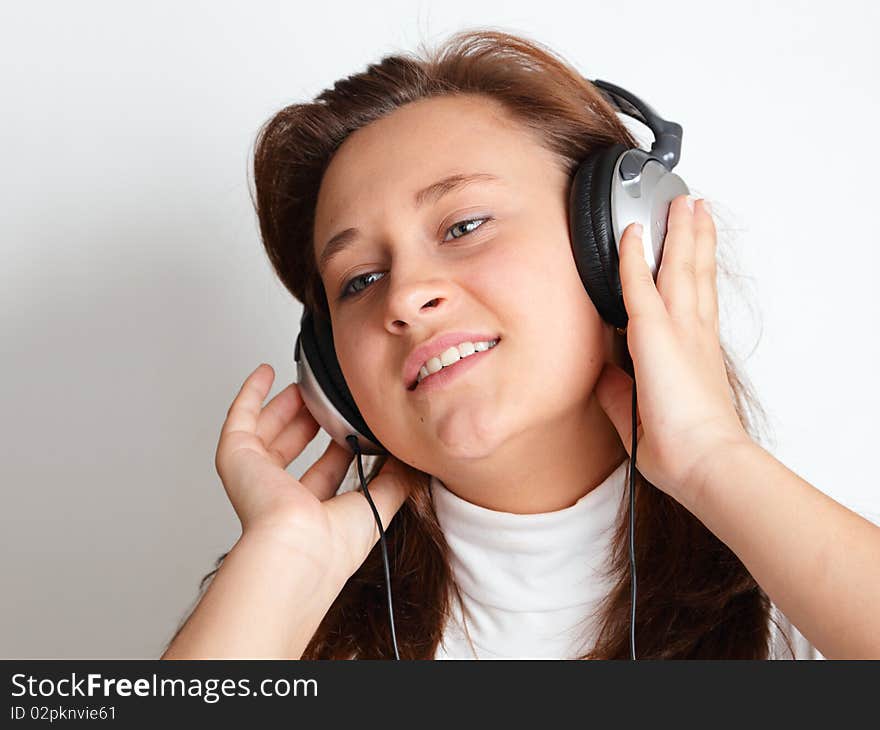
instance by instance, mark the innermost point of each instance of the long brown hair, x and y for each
(695, 599)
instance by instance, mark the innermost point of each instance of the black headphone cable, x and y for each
(632, 529)
(352, 440)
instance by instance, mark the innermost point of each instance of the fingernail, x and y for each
(637, 230)
(706, 206)
(690, 202)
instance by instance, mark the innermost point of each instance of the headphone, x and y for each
(613, 187)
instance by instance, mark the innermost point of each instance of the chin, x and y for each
(468, 451)
(469, 436)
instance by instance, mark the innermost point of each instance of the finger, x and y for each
(640, 296)
(244, 412)
(278, 412)
(293, 439)
(324, 477)
(388, 491)
(677, 280)
(706, 245)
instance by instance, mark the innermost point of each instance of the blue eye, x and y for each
(461, 223)
(348, 291)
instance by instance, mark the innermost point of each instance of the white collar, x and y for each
(525, 579)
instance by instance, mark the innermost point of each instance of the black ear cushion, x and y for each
(316, 338)
(592, 233)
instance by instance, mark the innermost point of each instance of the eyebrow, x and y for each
(432, 193)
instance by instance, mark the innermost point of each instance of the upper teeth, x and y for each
(453, 355)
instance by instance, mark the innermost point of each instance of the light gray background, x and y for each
(136, 296)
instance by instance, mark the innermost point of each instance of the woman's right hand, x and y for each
(257, 444)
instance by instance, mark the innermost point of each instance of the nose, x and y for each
(415, 301)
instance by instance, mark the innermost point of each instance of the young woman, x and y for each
(505, 502)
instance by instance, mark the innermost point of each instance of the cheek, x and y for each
(537, 294)
(534, 276)
(358, 369)
(371, 384)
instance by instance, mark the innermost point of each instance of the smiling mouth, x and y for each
(477, 355)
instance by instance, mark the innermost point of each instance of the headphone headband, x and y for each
(666, 148)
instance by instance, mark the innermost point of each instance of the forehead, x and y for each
(384, 163)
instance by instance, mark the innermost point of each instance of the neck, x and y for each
(547, 468)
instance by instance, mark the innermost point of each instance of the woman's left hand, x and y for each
(685, 406)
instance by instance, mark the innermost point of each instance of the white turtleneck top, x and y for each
(530, 582)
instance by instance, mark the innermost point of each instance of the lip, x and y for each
(442, 377)
(434, 348)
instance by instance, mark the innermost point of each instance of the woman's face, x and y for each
(490, 257)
